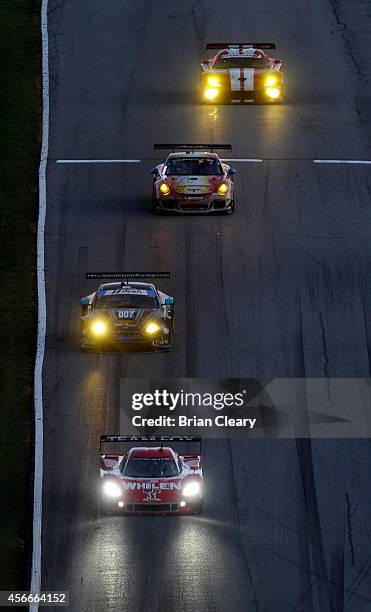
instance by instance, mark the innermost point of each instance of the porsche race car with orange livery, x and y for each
(241, 72)
(193, 179)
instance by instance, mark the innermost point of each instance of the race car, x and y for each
(241, 72)
(127, 314)
(155, 475)
(193, 180)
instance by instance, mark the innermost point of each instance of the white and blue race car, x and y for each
(126, 314)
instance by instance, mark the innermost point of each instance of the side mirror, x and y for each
(84, 306)
(169, 301)
(277, 61)
(231, 171)
(205, 61)
(155, 171)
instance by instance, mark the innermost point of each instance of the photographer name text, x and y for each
(193, 421)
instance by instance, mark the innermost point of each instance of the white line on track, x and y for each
(132, 161)
(342, 161)
(225, 159)
(41, 327)
(98, 161)
(253, 161)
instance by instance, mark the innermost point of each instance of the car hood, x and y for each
(152, 490)
(257, 70)
(194, 185)
(129, 318)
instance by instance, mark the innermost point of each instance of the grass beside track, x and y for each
(19, 153)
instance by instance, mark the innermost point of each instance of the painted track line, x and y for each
(342, 161)
(246, 160)
(41, 323)
(365, 162)
(135, 161)
(98, 161)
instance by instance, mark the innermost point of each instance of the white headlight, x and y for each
(111, 489)
(191, 488)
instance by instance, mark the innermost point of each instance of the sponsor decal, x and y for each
(151, 486)
(151, 496)
(130, 291)
(126, 314)
(161, 342)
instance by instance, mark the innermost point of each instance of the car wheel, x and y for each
(155, 207)
(104, 508)
(198, 507)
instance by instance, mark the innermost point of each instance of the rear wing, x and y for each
(192, 147)
(125, 275)
(250, 45)
(181, 444)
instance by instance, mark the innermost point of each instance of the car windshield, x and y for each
(194, 166)
(151, 467)
(241, 62)
(127, 300)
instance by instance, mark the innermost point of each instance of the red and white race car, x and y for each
(145, 476)
(241, 72)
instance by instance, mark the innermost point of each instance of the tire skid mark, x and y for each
(349, 530)
(237, 520)
(190, 318)
(315, 542)
(223, 295)
(344, 28)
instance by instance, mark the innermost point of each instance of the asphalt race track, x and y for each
(279, 289)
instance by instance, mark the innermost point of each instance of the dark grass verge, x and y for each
(20, 57)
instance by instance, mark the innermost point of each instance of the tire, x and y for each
(258, 98)
(154, 201)
(230, 210)
(156, 210)
(198, 507)
(85, 348)
(104, 508)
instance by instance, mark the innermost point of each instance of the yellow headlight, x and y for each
(213, 81)
(164, 188)
(210, 94)
(270, 80)
(223, 189)
(152, 328)
(98, 327)
(273, 92)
